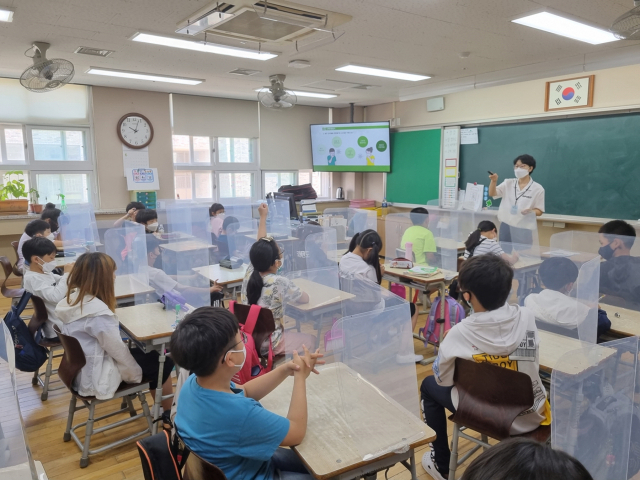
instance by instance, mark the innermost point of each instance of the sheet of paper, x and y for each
(144, 179)
(473, 197)
(468, 136)
(134, 158)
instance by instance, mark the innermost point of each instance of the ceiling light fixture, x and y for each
(377, 72)
(303, 94)
(552, 23)
(143, 76)
(6, 15)
(199, 46)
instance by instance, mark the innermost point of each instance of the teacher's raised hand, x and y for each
(493, 177)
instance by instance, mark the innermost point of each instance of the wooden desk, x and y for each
(62, 261)
(288, 239)
(624, 322)
(554, 346)
(230, 279)
(149, 326)
(422, 282)
(78, 246)
(127, 286)
(331, 447)
(527, 264)
(186, 246)
(450, 244)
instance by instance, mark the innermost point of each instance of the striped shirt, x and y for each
(486, 245)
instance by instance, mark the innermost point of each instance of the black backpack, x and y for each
(300, 192)
(29, 355)
(162, 458)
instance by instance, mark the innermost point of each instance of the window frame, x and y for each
(193, 183)
(279, 172)
(328, 186)
(3, 145)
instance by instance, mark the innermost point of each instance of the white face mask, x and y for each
(152, 227)
(47, 267)
(51, 237)
(521, 172)
(244, 352)
(281, 267)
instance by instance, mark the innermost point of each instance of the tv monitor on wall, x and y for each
(351, 147)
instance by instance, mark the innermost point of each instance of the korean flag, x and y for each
(570, 93)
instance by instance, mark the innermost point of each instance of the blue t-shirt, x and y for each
(233, 432)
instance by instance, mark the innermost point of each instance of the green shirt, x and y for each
(423, 242)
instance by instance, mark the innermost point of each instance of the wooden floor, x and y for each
(45, 423)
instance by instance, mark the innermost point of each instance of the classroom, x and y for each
(314, 240)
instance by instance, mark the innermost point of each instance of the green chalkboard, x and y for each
(415, 167)
(588, 166)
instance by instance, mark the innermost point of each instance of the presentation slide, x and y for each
(351, 147)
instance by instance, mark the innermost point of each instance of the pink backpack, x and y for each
(453, 314)
(252, 368)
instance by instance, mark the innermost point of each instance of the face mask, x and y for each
(51, 237)
(281, 267)
(606, 251)
(521, 172)
(467, 302)
(152, 227)
(47, 267)
(244, 352)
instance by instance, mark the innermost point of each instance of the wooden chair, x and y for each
(39, 317)
(490, 399)
(16, 271)
(197, 468)
(72, 362)
(13, 293)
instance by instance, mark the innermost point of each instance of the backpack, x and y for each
(300, 192)
(253, 367)
(29, 355)
(453, 314)
(161, 458)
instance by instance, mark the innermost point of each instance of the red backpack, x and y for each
(453, 314)
(253, 367)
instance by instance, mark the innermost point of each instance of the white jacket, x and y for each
(109, 361)
(556, 308)
(51, 288)
(506, 337)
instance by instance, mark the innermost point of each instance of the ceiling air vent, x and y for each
(246, 72)
(96, 52)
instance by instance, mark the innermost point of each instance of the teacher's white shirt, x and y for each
(531, 196)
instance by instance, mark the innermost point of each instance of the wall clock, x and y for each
(135, 130)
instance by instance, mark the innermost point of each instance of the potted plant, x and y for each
(13, 194)
(34, 206)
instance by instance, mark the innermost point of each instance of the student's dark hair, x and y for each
(215, 208)
(52, 214)
(369, 239)
(525, 459)
(202, 338)
(49, 206)
(143, 216)
(527, 160)
(230, 222)
(418, 215)
(136, 205)
(488, 278)
(475, 238)
(557, 272)
(263, 255)
(619, 229)
(36, 226)
(37, 247)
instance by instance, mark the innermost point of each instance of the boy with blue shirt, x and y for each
(224, 423)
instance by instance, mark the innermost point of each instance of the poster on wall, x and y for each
(144, 179)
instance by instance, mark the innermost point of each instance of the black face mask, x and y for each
(606, 251)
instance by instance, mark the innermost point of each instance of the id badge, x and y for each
(514, 210)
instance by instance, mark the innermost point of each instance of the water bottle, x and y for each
(177, 314)
(384, 202)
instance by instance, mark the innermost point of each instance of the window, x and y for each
(214, 167)
(12, 148)
(74, 187)
(320, 181)
(272, 181)
(58, 145)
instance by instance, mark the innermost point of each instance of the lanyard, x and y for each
(515, 194)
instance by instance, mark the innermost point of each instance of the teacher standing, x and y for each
(522, 202)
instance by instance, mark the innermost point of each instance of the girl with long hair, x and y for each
(482, 241)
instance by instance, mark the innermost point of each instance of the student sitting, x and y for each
(224, 423)
(620, 274)
(494, 333)
(149, 218)
(35, 228)
(163, 283)
(268, 289)
(88, 314)
(553, 306)
(39, 279)
(525, 459)
(51, 215)
(230, 227)
(424, 245)
(130, 216)
(483, 241)
(216, 212)
(362, 262)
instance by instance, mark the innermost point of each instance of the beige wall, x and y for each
(109, 105)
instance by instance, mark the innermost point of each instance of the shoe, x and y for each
(409, 358)
(429, 465)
